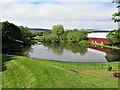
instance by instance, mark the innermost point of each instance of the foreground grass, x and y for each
(23, 72)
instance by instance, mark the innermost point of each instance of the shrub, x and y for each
(84, 43)
(109, 68)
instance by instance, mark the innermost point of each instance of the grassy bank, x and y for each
(23, 72)
(106, 46)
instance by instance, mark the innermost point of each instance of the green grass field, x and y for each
(23, 72)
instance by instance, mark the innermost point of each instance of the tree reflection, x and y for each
(55, 47)
(24, 51)
(59, 47)
(114, 55)
(75, 48)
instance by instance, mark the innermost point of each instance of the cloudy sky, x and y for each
(94, 14)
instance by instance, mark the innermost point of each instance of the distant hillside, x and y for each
(94, 30)
(48, 30)
(40, 30)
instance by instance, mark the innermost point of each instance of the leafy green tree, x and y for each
(14, 37)
(25, 31)
(64, 36)
(50, 38)
(71, 36)
(10, 32)
(114, 37)
(75, 36)
(54, 38)
(27, 36)
(59, 35)
(116, 15)
(58, 29)
(84, 43)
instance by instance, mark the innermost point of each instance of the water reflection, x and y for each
(22, 51)
(69, 52)
(57, 48)
(112, 56)
(76, 49)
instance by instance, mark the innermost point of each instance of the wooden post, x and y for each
(102, 66)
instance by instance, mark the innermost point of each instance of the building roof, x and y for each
(97, 35)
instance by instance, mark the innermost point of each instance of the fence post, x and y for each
(102, 66)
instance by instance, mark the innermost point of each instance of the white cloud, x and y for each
(84, 0)
(56, 1)
(71, 15)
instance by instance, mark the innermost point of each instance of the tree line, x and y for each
(114, 35)
(59, 35)
(16, 36)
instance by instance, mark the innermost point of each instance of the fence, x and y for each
(83, 65)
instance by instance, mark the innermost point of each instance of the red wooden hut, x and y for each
(98, 37)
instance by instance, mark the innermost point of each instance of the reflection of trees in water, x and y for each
(113, 56)
(10, 48)
(22, 51)
(55, 47)
(76, 49)
(59, 47)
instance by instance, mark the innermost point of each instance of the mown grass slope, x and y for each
(23, 72)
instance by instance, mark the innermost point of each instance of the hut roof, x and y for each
(97, 35)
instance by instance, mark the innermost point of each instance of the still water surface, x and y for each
(72, 53)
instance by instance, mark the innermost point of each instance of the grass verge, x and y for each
(23, 72)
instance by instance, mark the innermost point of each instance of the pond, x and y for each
(71, 53)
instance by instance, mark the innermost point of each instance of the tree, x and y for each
(116, 15)
(14, 37)
(26, 35)
(64, 36)
(58, 29)
(54, 38)
(10, 32)
(75, 36)
(114, 35)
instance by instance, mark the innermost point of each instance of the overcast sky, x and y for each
(94, 14)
